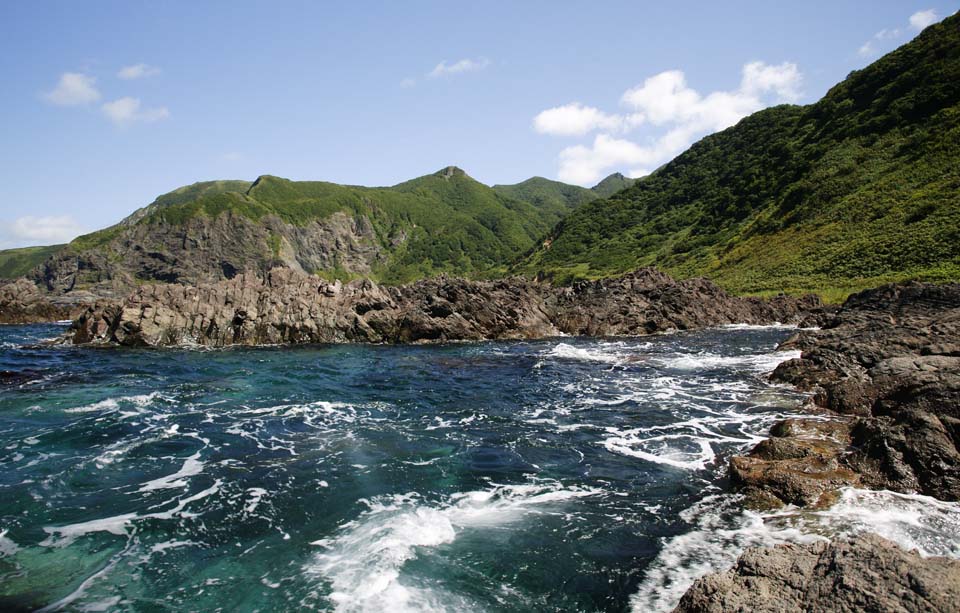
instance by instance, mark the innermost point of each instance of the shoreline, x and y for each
(893, 400)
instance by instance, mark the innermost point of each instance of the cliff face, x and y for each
(206, 249)
(288, 307)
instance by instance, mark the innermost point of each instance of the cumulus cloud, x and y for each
(922, 19)
(125, 111)
(137, 71)
(74, 89)
(676, 113)
(444, 69)
(575, 119)
(30, 230)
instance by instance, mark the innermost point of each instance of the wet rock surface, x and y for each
(890, 358)
(868, 573)
(285, 306)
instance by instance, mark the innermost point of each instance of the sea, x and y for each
(564, 474)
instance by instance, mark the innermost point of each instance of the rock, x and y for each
(286, 306)
(867, 573)
(889, 357)
(23, 302)
(800, 463)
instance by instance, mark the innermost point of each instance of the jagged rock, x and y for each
(289, 307)
(889, 356)
(800, 463)
(867, 573)
(22, 302)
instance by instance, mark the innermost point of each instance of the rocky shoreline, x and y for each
(884, 373)
(287, 307)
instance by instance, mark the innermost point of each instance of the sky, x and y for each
(106, 105)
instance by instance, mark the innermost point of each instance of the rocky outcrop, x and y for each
(23, 302)
(205, 250)
(285, 306)
(864, 574)
(890, 359)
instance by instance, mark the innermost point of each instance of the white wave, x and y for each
(191, 466)
(563, 351)
(774, 326)
(723, 531)
(364, 563)
(762, 363)
(112, 404)
(7, 546)
(61, 536)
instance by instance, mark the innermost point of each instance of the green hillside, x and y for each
(860, 188)
(18, 262)
(611, 185)
(441, 223)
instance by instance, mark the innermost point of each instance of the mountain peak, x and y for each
(450, 172)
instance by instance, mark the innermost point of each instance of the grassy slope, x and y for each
(18, 262)
(859, 188)
(451, 223)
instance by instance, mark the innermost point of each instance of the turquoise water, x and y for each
(557, 475)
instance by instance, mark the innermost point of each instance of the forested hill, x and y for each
(858, 188)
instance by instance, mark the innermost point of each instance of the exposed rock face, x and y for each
(209, 249)
(22, 302)
(864, 574)
(891, 358)
(289, 307)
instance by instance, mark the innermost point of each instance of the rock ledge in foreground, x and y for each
(867, 573)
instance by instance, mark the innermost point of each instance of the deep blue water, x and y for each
(556, 475)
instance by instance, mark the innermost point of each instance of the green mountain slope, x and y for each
(441, 223)
(18, 262)
(553, 198)
(611, 185)
(859, 188)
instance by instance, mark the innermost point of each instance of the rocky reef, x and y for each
(287, 307)
(865, 574)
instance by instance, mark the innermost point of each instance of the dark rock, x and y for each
(23, 302)
(285, 306)
(889, 356)
(867, 573)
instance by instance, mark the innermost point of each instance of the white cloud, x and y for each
(232, 156)
(576, 119)
(870, 49)
(74, 89)
(782, 80)
(124, 111)
(665, 102)
(465, 65)
(137, 71)
(49, 230)
(408, 83)
(922, 19)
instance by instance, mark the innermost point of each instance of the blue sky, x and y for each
(108, 104)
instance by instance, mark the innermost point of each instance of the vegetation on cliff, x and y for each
(860, 188)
